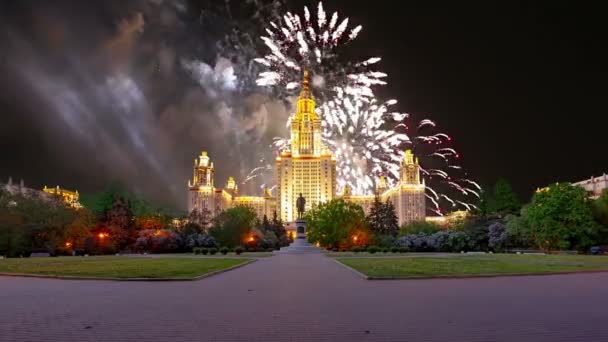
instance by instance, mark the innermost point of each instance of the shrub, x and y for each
(200, 240)
(394, 249)
(386, 241)
(212, 251)
(238, 250)
(373, 249)
(497, 235)
(204, 251)
(334, 250)
(158, 241)
(403, 250)
(357, 249)
(224, 250)
(196, 251)
(270, 249)
(449, 241)
(385, 250)
(414, 242)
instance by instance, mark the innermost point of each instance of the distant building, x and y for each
(408, 196)
(307, 167)
(594, 185)
(69, 197)
(203, 195)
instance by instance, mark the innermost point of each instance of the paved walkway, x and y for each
(306, 298)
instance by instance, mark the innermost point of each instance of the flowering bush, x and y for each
(158, 241)
(497, 235)
(443, 241)
(415, 242)
(200, 240)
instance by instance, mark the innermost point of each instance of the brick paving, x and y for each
(306, 297)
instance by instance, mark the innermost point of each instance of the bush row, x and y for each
(376, 249)
(226, 250)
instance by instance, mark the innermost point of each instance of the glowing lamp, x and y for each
(68, 244)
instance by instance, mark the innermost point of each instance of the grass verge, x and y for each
(482, 265)
(119, 267)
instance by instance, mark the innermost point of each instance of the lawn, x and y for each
(118, 267)
(478, 265)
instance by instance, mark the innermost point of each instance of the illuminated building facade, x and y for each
(306, 167)
(69, 197)
(594, 185)
(202, 194)
(408, 196)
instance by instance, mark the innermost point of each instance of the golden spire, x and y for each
(305, 93)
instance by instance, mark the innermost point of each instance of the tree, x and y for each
(119, 220)
(101, 202)
(390, 222)
(382, 218)
(518, 232)
(561, 218)
(33, 222)
(233, 226)
(501, 201)
(374, 218)
(149, 223)
(335, 223)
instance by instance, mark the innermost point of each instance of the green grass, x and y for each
(497, 264)
(118, 267)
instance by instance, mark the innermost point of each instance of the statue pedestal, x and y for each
(300, 229)
(300, 245)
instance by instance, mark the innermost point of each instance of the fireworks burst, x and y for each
(312, 42)
(367, 137)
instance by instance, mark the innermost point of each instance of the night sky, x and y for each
(520, 87)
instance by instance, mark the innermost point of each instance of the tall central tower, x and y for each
(307, 166)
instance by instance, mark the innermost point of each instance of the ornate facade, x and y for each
(408, 196)
(306, 166)
(203, 195)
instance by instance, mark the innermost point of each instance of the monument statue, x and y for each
(300, 204)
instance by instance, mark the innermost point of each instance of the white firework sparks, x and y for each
(310, 43)
(367, 137)
(360, 132)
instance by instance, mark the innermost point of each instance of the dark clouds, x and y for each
(125, 92)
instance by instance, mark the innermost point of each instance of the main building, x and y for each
(306, 167)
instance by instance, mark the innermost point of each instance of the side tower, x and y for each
(200, 188)
(410, 203)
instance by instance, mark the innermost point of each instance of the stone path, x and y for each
(306, 297)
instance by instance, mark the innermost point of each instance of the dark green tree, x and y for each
(333, 224)
(120, 222)
(232, 226)
(374, 218)
(390, 222)
(501, 201)
(560, 217)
